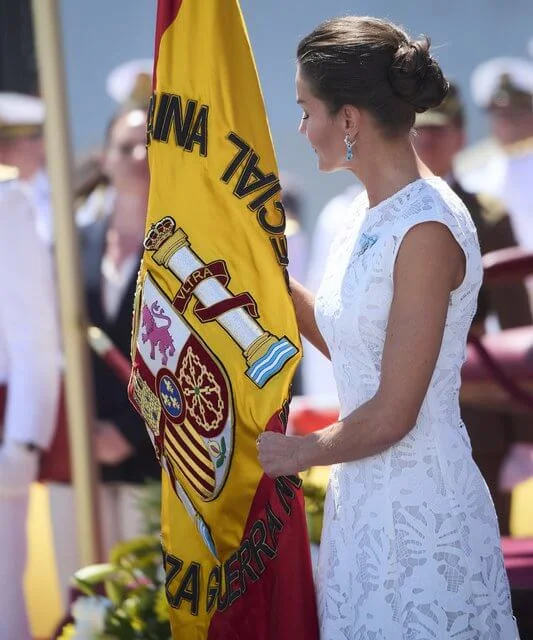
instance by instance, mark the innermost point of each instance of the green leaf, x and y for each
(132, 551)
(114, 591)
(89, 577)
(223, 447)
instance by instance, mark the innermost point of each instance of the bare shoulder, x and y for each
(430, 250)
(428, 237)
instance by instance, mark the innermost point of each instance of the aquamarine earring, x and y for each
(349, 145)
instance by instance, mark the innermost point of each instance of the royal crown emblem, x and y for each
(158, 233)
(265, 354)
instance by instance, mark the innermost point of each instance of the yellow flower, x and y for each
(161, 605)
(315, 481)
(68, 632)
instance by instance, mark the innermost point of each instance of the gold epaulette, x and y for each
(520, 148)
(492, 209)
(8, 173)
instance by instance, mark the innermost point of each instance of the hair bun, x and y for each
(416, 77)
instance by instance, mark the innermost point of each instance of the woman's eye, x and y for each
(125, 149)
(305, 116)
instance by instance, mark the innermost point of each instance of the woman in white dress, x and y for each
(410, 547)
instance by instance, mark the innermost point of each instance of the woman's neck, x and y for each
(127, 225)
(386, 166)
(129, 211)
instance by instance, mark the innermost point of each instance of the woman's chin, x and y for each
(324, 165)
(327, 167)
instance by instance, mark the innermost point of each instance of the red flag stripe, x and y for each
(188, 470)
(199, 451)
(166, 14)
(193, 453)
(181, 448)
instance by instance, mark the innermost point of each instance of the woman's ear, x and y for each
(350, 119)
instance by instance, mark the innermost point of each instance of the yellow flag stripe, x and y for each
(195, 442)
(195, 439)
(199, 474)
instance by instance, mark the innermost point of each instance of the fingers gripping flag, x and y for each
(215, 343)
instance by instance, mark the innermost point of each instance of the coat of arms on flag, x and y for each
(215, 342)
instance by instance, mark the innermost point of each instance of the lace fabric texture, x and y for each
(410, 546)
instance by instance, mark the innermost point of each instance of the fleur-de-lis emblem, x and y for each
(366, 242)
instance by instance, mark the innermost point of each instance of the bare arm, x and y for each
(429, 266)
(304, 302)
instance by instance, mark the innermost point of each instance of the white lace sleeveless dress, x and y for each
(410, 547)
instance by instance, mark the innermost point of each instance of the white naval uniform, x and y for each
(510, 179)
(99, 203)
(29, 368)
(517, 195)
(38, 190)
(317, 373)
(120, 518)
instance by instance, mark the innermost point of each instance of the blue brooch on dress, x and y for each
(366, 242)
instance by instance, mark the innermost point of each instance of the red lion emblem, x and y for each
(157, 336)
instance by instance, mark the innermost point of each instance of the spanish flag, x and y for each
(215, 342)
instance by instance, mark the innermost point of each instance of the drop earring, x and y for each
(349, 145)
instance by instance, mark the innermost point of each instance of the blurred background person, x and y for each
(111, 251)
(317, 373)
(111, 248)
(29, 383)
(292, 198)
(503, 88)
(440, 136)
(129, 85)
(297, 243)
(22, 146)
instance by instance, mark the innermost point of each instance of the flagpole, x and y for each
(47, 23)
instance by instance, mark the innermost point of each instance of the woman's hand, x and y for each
(279, 454)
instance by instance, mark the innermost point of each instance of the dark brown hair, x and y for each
(374, 65)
